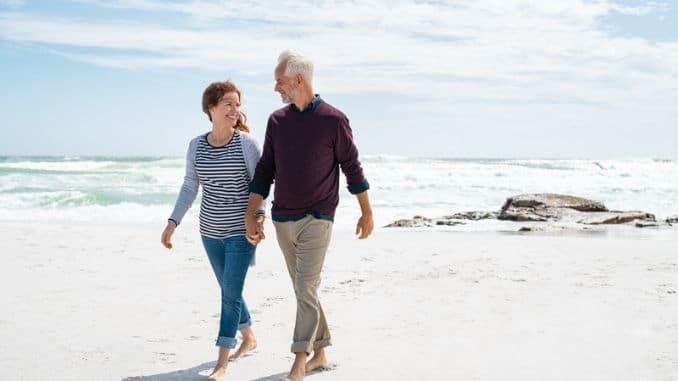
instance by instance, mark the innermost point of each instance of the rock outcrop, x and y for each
(560, 209)
(565, 208)
(546, 207)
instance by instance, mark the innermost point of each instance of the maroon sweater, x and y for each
(303, 152)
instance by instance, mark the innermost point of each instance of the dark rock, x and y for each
(672, 219)
(525, 229)
(648, 224)
(473, 215)
(615, 218)
(449, 222)
(545, 207)
(565, 208)
(553, 200)
(416, 221)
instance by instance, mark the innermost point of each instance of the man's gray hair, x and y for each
(295, 63)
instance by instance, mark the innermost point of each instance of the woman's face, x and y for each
(227, 110)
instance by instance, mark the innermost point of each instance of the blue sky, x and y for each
(495, 78)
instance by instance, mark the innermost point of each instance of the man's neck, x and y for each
(304, 100)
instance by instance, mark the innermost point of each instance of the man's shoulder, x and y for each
(280, 113)
(327, 110)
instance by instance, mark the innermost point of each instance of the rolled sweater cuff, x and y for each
(358, 187)
(258, 188)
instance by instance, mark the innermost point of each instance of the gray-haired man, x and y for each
(307, 143)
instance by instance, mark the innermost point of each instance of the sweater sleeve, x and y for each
(252, 155)
(189, 189)
(265, 170)
(346, 154)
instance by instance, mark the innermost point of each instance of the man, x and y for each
(306, 144)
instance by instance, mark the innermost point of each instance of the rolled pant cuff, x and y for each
(305, 346)
(228, 342)
(244, 325)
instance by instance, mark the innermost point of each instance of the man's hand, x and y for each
(364, 226)
(254, 226)
(166, 237)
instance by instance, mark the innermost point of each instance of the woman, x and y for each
(223, 162)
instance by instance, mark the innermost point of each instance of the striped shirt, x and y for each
(223, 174)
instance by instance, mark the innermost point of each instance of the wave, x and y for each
(107, 186)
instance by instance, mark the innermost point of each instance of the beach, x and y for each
(97, 301)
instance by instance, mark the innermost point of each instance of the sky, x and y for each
(461, 79)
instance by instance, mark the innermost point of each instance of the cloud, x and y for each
(489, 51)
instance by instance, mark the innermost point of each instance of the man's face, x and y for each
(285, 85)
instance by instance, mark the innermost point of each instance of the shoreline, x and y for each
(621, 231)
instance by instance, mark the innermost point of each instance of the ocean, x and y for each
(143, 189)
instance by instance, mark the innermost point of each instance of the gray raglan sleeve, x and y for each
(252, 154)
(189, 189)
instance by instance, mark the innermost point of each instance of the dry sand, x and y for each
(100, 302)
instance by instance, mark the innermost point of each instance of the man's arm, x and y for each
(365, 223)
(254, 224)
(259, 188)
(347, 156)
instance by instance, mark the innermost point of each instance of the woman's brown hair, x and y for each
(213, 94)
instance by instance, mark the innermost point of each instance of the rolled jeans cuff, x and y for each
(229, 342)
(305, 346)
(244, 325)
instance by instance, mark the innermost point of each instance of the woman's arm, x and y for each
(188, 193)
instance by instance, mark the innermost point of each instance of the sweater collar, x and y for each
(309, 107)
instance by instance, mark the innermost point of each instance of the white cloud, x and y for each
(493, 50)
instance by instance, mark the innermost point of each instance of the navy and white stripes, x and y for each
(223, 175)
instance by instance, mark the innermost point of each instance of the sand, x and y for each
(107, 302)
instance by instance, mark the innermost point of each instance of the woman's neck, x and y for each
(220, 134)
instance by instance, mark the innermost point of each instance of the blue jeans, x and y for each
(230, 258)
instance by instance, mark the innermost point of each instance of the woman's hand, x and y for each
(166, 236)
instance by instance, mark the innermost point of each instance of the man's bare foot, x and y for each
(298, 370)
(318, 361)
(246, 347)
(294, 377)
(218, 373)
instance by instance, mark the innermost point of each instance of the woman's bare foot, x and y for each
(218, 373)
(318, 361)
(248, 345)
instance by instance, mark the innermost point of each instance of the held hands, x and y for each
(254, 226)
(364, 226)
(166, 236)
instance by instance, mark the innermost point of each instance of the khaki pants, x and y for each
(304, 244)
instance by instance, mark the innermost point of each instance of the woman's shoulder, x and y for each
(197, 139)
(246, 138)
(193, 143)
